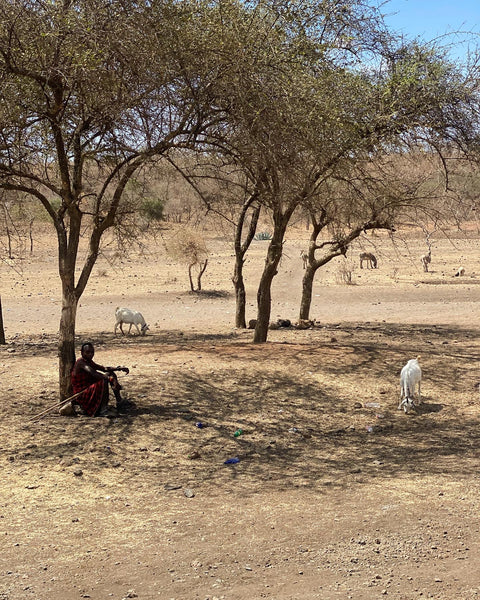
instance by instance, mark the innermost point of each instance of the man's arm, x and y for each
(94, 371)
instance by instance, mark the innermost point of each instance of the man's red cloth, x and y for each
(93, 389)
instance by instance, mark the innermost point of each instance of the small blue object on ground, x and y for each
(199, 425)
(232, 461)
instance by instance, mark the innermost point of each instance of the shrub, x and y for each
(152, 209)
(345, 272)
(263, 235)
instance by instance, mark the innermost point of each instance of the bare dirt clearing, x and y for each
(327, 501)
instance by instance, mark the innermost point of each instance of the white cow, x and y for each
(130, 317)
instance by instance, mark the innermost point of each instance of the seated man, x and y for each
(88, 377)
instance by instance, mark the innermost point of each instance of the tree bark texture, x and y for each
(240, 295)
(66, 342)
(307, 291)
(264, 293)
(240, 251)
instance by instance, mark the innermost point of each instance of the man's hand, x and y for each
(123, 369)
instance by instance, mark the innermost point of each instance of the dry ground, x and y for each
(329, 500)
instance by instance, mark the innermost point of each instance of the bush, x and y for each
(263, 235)
(345, 272)
(152, 209)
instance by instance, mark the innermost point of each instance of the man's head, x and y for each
(87, 350)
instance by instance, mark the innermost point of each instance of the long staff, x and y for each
(54, 406)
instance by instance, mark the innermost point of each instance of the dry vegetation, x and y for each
(336, 495)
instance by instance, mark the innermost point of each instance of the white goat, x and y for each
(410, 376)
(130, 317)
(460, 272)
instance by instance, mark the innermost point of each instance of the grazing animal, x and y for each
(130, 317)
(426, 260)
(370, 259)
(460, 272)
(410, 377)
(304, 257)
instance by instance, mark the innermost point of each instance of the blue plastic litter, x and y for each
(232, 461)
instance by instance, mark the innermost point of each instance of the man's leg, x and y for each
(122, 404)
(104, 410)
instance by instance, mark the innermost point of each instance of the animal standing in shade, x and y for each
(410, 378)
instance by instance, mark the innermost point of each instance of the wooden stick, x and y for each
(56, 405)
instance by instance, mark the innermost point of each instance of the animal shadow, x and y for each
(426, 407)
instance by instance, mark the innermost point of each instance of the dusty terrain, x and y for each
(337, 494)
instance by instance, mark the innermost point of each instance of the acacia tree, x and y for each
(91, 96)
(368, 197)
(330, 111)
(403, 160)
(294, 113)
(189, 247)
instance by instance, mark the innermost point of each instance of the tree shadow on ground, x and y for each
(297, 406)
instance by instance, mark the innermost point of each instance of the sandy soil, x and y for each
(336, 494)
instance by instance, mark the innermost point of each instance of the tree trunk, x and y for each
(240, 294)
(9, 241)
(307, 290)
(264, 297)
(66, 342)
(318, 222)
(264, 301)
(30, 233)
(192, 287)
(201, 271)
(240, 251)
(2, 330)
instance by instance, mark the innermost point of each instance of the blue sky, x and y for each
(432, 18)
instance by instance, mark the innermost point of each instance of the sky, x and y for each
(430, 19)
